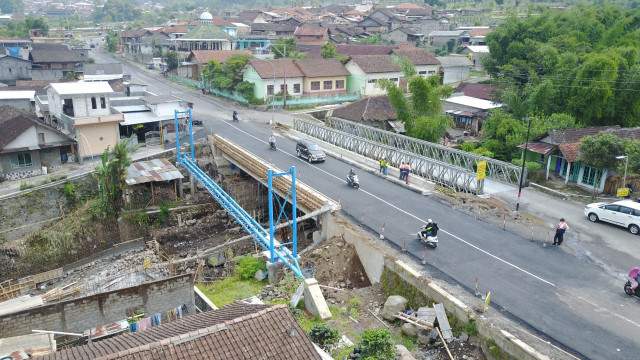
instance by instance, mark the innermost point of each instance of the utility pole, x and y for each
(284, 95)
(524, 160)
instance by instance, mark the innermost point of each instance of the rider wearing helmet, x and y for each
(272, 140)
(430, 229)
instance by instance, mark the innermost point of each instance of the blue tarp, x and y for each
(14, 51)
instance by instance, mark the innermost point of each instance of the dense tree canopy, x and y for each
(117, 10)
(12, 6)
(583, 61)
(22, 27)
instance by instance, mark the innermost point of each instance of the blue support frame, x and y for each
(281, 205)
(249, 224)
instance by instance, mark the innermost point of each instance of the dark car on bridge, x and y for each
(309, 150)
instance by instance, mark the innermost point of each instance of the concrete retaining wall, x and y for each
(83, 313)
(374, 261)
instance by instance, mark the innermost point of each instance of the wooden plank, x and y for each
(443, 321)
(413, 320)
(427, 314)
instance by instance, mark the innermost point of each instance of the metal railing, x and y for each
(496, 169)
(439, 172)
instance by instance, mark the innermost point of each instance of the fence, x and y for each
(228, 95)
(496, 169)
(317, 99)
(439, 172)
(186, 81)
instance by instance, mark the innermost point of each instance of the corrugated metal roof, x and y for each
(106, 330)
(151, 170)
(539, 147)
(473, 102)
(99, 87)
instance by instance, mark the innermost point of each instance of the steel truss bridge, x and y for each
(496, 169)
(436, 171)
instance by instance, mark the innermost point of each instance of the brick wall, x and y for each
(81, 314)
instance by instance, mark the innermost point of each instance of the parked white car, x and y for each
(624, 213)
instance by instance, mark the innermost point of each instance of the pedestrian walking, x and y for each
(402, 171)
(561, 228)
(407, 170)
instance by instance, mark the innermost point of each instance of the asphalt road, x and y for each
(562, 298)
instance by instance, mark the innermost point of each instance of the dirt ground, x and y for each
(338, 266)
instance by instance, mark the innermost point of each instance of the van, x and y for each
(309, 150)
(625, 213)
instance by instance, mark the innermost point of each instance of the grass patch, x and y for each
(408, 341)
(26, 185)
(231, 289)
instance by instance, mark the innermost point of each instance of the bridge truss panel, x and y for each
(436, 171)
(496, 169)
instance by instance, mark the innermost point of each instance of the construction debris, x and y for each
(414, 320)
(443, 321)
(57, 294)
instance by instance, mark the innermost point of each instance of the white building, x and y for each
(455, 68)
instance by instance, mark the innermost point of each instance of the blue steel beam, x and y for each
(249, 224)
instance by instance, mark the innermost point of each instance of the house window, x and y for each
(339, 84)
(296, 88)
(327, 85)
(40, 138)
(431, 72)
(94, 104)
(372, 81)
(103, 102)
(589, 175)
(422, 72)
(394, 79)
(269, 89)
(315, 85)
(21, 160)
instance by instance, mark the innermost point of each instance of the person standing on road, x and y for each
(633, 278)
(561, 228)
(407, 170)
(383, 166)
(402, 171)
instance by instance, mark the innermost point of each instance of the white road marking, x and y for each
(405, 212)
(600, 308)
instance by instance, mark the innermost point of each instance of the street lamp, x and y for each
(524, 160)
(626, 163)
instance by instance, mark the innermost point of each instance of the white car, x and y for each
(624, 213)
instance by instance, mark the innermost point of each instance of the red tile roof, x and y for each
(181, 29)
(271, 333)
(570, 151)
(203, 56)
(479, 32)
(321, 67)
(373, 108)
(186, 325)
(308, 30)
(371, 64)
(480, 91)
(14, 122)
(218, 21)
(418, 56)
(265, 68)
(575, 135)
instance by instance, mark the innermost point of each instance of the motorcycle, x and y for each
(429, 240)
(272, 146)
(353, 181)
(235, 118)
(627, 289)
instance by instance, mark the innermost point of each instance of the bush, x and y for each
(484, 152)
(377, 344)
(69, 194)
(26, 185)
(245, 89)
(468, 146)
(248, 265)
(256, 101)
(163, 215)
(323, 335)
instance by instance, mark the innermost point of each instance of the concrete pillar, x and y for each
(192, 184)
(314, 301)
(323, 222)
(566, 179)
(548, 166)
(272, 271)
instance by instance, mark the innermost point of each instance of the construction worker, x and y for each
(383, 166)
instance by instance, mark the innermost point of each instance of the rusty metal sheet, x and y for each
(107, 330)
(151, 170)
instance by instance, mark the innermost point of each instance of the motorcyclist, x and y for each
(272, 141)
(235, 115)
(633, 278)
(351, 175)
(430, 229)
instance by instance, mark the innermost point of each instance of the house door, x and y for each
(559, 163)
